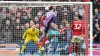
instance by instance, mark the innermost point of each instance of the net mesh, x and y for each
(16, 18)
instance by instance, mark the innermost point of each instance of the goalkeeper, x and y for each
(31, 34)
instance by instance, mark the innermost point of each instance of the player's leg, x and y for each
(39, 44)
(82, 46)
(45, 39)
(76, 49)
(27, 40)
(44, 42)
(70, 49)
(45, 33)
(73, 46)
(77, 41)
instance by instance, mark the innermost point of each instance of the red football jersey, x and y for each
(42, 20)
(78, 28)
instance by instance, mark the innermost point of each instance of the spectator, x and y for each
(74, 10)
(64, 22)
(29, 15)
(77, 14)
(59, 14)
(39, 14)
(13, 23)
(37, 25)
(68, 32)
(18, 22)
(26, 26)
(8, 17)
(53, 32)
(13, 11)
(31, 23)
(17, 34)
(13, 19)
(65, 13)
(62, 29)
(97, 14)
(18, 15)
(3, 13)
(54, 39)
(6, 32)
(25, 20)
(96, 30)
(36, 19)
(81, 10)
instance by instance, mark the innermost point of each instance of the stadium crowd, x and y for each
(15, 20)
(96, 21)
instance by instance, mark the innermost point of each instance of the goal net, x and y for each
(17, 17)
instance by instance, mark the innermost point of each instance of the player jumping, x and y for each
(78, 34)
(31, 34)
(50, 18)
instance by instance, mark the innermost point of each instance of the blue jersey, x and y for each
(50, 18)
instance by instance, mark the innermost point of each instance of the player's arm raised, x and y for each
(38, 32)
(24, 35)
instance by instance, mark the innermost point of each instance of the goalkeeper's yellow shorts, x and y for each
(28, 39)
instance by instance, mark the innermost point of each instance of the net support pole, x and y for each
(86, 18)
(86, 26)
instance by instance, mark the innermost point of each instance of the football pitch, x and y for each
(49, 55)
(42, 55)
(39, 55)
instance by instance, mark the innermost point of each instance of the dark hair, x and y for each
(96, 18)
(76, 17)
(51, 8)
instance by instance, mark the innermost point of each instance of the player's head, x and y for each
(31, 23)
(76, 18)
(61, 26)
(54, 26)
(96, 19)
(49, 8)
(27, 25)
(37, 25)
(33, 27)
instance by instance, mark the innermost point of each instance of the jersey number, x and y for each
(48, 15)
(78, 26)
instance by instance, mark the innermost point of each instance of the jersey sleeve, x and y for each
(25, 33)
(42, 20)
(37, 32)
(54, 19)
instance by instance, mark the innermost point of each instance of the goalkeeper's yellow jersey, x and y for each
(31, 33)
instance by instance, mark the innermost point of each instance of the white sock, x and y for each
(70, 55)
